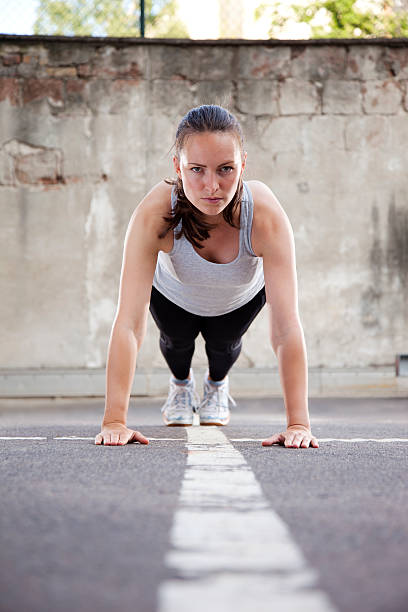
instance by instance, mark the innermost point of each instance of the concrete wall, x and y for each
(85, 130)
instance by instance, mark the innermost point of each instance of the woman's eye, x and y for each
(224, 169)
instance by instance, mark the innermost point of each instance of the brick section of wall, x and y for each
(74, 77)
(32, 165)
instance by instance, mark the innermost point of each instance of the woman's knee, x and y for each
(176, 343)
(227, 346)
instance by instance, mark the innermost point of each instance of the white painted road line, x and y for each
(331, 439)
(363, 439)
(79, 438)
(73, 438)
(21, 438)
(381, 440)
(76, 438)
(230, 550)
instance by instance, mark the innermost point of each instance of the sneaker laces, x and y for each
(179, 399)
(213, 394)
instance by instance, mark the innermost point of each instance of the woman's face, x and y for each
(210, 165)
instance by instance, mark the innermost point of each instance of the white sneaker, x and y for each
(181, 402)
(214, 408)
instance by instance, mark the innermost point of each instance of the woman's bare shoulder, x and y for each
(155, 205)
(157, 201)
(263, 195)
(268, 216)
(266, 204)
(148, 217)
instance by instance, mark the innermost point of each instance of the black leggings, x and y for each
(222, 334)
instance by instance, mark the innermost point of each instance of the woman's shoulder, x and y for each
(147, 220)
(268, 214)
(157, 200)
(262, 194)
(266, 204)
(155, 205)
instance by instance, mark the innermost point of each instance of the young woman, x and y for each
(204, 253)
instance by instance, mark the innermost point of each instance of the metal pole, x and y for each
(142, 18)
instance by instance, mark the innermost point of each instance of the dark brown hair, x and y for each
(205, 118)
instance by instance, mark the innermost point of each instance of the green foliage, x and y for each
(344, 20)
(108, 18)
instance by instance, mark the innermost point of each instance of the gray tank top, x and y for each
(205, 288)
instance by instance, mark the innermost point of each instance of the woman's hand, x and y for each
(118, 434)
(295, 436)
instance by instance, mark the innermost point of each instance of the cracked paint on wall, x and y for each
(100, 232)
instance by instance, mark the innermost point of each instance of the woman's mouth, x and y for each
(212, 200)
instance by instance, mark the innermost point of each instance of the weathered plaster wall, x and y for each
(85, 131)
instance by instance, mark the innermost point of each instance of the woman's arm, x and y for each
(272, 239)
(141, 248)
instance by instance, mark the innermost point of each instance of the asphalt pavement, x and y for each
(89, 527)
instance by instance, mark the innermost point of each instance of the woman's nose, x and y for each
(211, 182)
